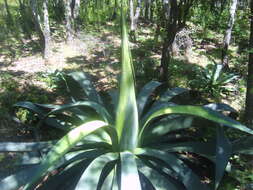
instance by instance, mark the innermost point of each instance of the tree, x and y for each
(148, 9)
(175, 14)
(69, 21)
(134, 16)
(43, 28)
(9, 19)
(46, 31)
(171, 16)
(249, 94)
(227, 36)
(75, 8)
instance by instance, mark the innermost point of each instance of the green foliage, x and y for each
(214, 19)
(214, 81)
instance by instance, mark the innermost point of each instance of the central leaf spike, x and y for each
(127, 114)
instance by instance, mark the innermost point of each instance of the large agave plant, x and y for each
(134, 147)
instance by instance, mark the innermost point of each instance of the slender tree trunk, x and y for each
(147, 9)
(249, 94)
(134, 17)
(76, 9)
(37, 22)
(69, 21)
(43, 29)
(114, 14)
(227, 36)
(10, 19)
(131, 9)
(171, 16)
(46, 31)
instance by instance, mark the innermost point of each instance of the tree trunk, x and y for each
(131, 9)
(148, 9)
(43, 30)
(114, 14)
(9, 19)
(249, 94)
(171, 16)
(134, 17)
(227, 36)
(69, 21)
(26, 19)
(76, 9)
(46, 31)
(37, 22)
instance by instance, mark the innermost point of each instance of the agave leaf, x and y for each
(216, 72)
(67, 178)
(31, 107)
(41, 111)
(145, 182)
(127, 114)
(106, 174)
(205, 149)
(87, 144)
(243, 145)
(171, 93)
(155, 177)
(145, 94)
(220, 107)
(158, 106)
(62, 147)
(199, 111)
(166, 125)
(59, 124)
(91, 176)
(228, 78)
(24, 146)
(114, 94)
(13, 182)
(129, 172)
(47, 107)
(116, 178)
(27, 158)
(85, 83)
(114, 137)
(76, 156)
(223, 153)
(97, 107)
(185, 174)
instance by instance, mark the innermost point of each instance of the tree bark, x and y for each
(249, 94)
(148, 9)
(114, 14)
(69, 21)
(43, 29)
(76, 9)
(227, 36)
(10, 19)
(37, 22)
(134, 16)
(171, 16)
(46, 31)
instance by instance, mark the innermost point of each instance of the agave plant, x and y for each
(214, 80)
(138, 146)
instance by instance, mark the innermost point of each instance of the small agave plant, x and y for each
(215, 81)
(130, 148)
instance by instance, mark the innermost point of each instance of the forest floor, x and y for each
(29, 77)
